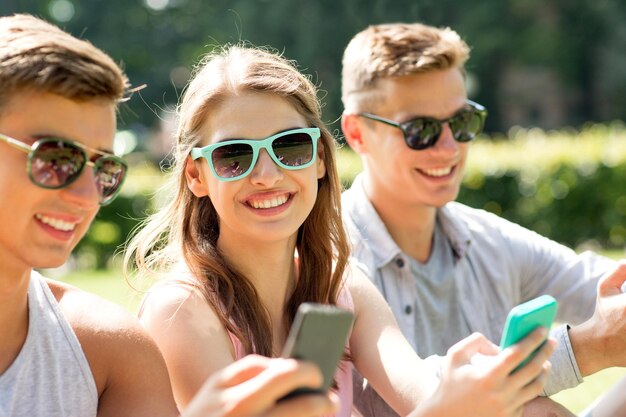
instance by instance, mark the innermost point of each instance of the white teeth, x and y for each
(439, 172)
(265, 204)
(56, 223)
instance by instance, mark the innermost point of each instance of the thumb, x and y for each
(612, 282)
(463, 351)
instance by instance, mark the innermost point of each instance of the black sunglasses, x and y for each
(423, 132)
(55, 163)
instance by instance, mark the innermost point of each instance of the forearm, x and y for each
(588, 348)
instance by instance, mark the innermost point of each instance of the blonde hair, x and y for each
(395, 50)
(188, 227)
(35, 55)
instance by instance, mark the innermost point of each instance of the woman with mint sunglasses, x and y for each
(254, 230)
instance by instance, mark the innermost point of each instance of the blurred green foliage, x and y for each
(578, 43)
(566, 185)
(569, 186)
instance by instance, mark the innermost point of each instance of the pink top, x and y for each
(343, 377)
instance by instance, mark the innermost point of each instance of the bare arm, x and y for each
(191, 338)
(128, 369)
(382, 354)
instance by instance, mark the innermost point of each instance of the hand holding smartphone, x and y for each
(525, 318)
(319, 334)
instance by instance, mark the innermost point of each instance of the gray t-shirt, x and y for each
(50, 377)
(436, 306)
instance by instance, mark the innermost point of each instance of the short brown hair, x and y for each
(36, 55)
(395, 50)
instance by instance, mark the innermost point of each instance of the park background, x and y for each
(552, 74)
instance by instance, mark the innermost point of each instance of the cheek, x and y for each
(321, 168)
(463, 150)
(395, 158)
(313, 189)
(86, 225)
(222, 196)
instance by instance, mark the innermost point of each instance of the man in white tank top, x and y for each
(64, 352)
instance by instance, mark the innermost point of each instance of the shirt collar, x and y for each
(362, 216)
(455, 229)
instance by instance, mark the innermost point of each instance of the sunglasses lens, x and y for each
(466, 125)
(232, 160)
(294, 150)
(110, 174)
(422, 133)
(54, 164)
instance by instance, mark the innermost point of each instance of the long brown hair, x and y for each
(188, 226)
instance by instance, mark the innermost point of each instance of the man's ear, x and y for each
(352, 127)
(195, 182)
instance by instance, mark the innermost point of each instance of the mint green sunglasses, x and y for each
(234, 159)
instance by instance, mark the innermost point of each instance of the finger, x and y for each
(462, 351)
(513, 355)
(241, 370)
(612, 282)
(534, 367)
(533, 389)
(280, 378)
(313, 405)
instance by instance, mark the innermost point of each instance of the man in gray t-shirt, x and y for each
(448, 270)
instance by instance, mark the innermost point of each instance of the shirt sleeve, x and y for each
(565, 373)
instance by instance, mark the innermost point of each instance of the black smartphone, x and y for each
(318, 334)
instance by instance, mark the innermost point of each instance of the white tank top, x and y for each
(50, 376)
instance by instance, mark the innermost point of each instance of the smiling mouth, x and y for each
(56, 224)
(438, 172)
(269, 203)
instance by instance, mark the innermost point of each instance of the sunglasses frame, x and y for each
(206, 152)
(406, 126)
(31, 149)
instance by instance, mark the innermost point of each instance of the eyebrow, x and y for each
(273, 134)
(411, 118)
(86, 147)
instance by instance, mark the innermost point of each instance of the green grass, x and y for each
(107, 284)
(578, 398)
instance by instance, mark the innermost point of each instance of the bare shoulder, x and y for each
(180, 319)
(90, 313)
(120, 352)
(167, 307)
(358, 282)
(365, 295)
(190, 335)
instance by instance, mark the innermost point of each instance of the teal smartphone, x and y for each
(526, 317)
(319, 334)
